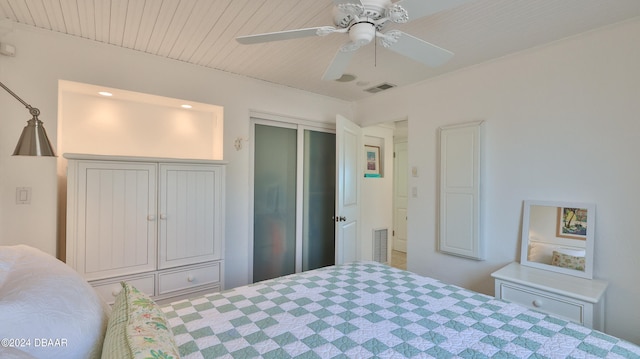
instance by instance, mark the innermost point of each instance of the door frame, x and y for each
(396, 185)
(259, 118)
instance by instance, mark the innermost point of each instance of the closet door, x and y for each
(190, 198)
(274, 218)
(319, 200)
(116, 225)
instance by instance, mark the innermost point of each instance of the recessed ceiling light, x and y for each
(186, 106)
(346, 78)
(105, 93)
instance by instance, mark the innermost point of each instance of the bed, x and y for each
(356, 310)
(370, 310)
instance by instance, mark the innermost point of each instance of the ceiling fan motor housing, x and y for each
(375, 9)
(345, 14)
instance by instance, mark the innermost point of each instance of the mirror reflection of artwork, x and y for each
(572, 222)
(558, 237)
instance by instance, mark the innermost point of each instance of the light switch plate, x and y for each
(23, 195)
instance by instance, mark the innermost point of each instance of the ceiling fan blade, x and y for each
(338, 2)
(338, 65)
(420, 8)
(415, 48)
(284, 35)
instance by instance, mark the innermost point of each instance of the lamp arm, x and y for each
(32, 110)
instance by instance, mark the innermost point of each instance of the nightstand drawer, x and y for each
(544, 302)
(186, 278)
(110, 290)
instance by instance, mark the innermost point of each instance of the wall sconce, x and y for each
(34, 140)
(238, 143)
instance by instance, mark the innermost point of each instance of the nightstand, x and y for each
(572, 298)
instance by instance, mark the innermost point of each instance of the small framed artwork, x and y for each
(572, 223)
(372, 167)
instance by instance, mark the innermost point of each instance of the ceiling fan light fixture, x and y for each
(362, 33)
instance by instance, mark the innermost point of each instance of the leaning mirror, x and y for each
(558, 236)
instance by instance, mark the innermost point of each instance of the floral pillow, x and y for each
(138, 329)
(567, 261)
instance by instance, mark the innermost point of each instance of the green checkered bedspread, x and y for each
(370, 310)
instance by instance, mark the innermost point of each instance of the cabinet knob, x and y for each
(115, 292)
(163, 216)
(190, 278)
(151, 217)
(537, 303)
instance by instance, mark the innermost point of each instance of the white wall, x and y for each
(562, 123)
(44, 57)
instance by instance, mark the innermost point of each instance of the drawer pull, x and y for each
(537, 303)
(190, 278)
(115, 292)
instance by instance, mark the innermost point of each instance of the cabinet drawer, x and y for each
(110, 290)
(544, 302)
(187, 278)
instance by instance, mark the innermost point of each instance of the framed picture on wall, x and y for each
(572, 223)
(372, 166)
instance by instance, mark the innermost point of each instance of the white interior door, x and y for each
(348, 176)
(400, 197)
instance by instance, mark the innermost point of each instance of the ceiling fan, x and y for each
(364, 20)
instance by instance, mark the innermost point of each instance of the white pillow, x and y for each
(48, 307)
(575, 252)
(12, 353)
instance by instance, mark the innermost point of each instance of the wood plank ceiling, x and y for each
(202, 32)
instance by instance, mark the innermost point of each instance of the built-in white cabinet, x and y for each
(157, 223)
(460, 156)
(572, 298)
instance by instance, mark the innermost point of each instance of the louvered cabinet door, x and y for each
(116, 224)
(190, 203)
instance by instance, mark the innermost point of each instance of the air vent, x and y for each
(380, 238)
(381, 87)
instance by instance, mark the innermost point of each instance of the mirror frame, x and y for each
(589, 240)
